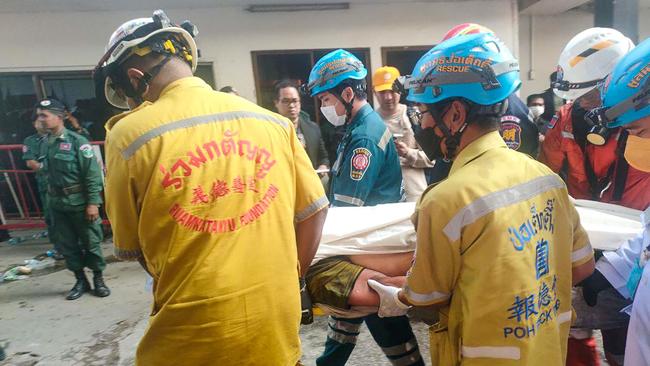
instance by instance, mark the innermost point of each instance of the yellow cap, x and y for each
(384, 77)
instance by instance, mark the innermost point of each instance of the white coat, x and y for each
(617, 267)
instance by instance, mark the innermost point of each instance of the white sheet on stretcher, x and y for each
(387, 228)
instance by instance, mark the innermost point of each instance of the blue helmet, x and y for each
(626, 91)
(332, 69)
(477, 67)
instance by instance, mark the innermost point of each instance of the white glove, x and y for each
(389, 304)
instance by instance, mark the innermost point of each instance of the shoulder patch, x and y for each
(359, 163)
(511, 133)
(552, 122)
(86, 151)
(25, 148)
(510, 118)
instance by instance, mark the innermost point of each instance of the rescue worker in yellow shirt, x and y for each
(215, 197)
(499, 242)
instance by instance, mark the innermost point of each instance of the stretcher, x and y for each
(387, 228)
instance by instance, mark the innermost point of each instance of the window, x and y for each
(17, 99)
(19, 92)
(269, 67)
(403, 58)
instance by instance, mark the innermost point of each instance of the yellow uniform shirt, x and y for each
(497, 240)
(205, 187)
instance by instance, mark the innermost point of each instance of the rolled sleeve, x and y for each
(121, 205)
(436, 268)
(310, 195)
(582, 251)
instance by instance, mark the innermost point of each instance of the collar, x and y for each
(173, 87)
(188, 82)
(62, 136)
(477, 148)
(362, 113)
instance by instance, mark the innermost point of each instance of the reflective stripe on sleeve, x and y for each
(432, 297)
(567, 135)
(582, 253)
(196, 121)
(312, 209)
(509, 353)
(348, 199)
(384, 140)
(564, 317)
(491, 202)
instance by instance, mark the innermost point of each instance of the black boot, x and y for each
(101, 290)
(82, 285)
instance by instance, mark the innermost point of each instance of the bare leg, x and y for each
(363, 295)
(392, 265)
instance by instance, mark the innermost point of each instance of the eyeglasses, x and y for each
(289, 102)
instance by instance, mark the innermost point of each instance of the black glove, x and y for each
(592, 285)
(305, 304)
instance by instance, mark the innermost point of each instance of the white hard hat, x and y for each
(125, 41)
(587, 59)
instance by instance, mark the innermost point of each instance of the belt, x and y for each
(65, 191)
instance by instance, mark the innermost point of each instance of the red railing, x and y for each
(19, 203)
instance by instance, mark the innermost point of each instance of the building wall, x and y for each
(549, 36)
(74, 41)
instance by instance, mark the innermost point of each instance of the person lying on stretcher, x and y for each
(339, 284)
(360, 244)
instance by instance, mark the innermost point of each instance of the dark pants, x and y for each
(78, 240)
(393, 335)
(51, 234)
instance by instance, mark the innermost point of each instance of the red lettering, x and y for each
(219, 189)
(198, 159)
(212, 149)
(180, 164)
(168, 180)
(199, 196)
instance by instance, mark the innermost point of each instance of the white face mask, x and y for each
(536, 110)
(330, 113)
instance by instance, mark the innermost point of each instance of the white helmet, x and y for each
(587, 59)
(131, 38)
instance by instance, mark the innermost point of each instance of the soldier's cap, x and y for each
(51, 104)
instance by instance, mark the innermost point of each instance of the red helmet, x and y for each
(464, 29)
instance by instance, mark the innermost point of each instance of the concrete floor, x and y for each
(39, 327)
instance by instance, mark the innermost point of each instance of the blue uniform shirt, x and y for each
(367, 170)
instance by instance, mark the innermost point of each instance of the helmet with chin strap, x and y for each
(141, 37)
(336, 70)
(587, 59)
(625, 94)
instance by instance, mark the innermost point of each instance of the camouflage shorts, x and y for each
(331, 280)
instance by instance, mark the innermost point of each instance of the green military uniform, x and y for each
(32, 151)
(74, 182)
